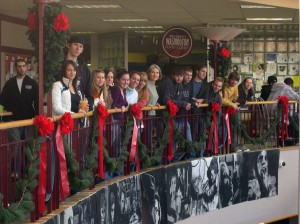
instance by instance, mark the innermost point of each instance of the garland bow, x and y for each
(45, 127)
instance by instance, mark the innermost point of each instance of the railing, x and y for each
(259, 125)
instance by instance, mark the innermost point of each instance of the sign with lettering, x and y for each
(177, 42)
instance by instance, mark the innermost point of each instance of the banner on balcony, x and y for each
(179, 191)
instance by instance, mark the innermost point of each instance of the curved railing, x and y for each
(254, 127)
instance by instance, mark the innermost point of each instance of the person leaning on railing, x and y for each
(100, 89)
(246, 91)
(230, 91)
(65, 93)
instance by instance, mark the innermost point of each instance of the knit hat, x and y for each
(272, 79)
(76, 39)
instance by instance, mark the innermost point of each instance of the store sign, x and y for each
(177, 42)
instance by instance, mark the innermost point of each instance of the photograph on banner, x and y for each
(154, 196)
(225, 180)
(262, 174)
(178, 180)
(82, 211)
(103, 209)
(130, 200)
(113, 204)
(198, 182)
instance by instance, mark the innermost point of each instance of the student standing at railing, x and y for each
(131, 93)
(100, 90)
(199, 83)
(230, 91)
(118, 94)
(266, 89)
(143, 94)
(154, 74)
(66, 95)
(246, 91)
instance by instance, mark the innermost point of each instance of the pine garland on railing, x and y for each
(19, 211)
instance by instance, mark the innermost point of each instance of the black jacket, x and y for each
(265, 92)
(243, 95)
(24, 105)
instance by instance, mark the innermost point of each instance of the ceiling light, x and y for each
(83, 32)
(257, 7)
(93, 6)
(125, 20)
(142, 27)
(149, 31)
(269, 19)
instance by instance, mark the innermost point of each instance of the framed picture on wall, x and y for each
(282, 69)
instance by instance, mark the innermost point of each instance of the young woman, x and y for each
(131, 93)
(154, 73)
(100, 92)
(65, 92)
(246, 91)
(109, 77)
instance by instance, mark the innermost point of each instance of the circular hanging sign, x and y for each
(177, 42)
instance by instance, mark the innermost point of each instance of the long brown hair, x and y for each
(64, 70)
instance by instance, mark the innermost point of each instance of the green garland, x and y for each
(241, 128)
(20, 210)
(54, 42)
(112, 164)
(86, 176)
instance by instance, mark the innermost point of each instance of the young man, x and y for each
(20, 96)
(199, 83)
(230, 92)
(75, 49)
(266, 89)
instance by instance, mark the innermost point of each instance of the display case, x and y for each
(265, 50)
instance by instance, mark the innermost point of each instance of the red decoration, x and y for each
(102, 111)
(61, 23)
(215, 107)
(66, 123)
(45, 126)
(231, 110)
(32, 21)
(102, 115)
(225, 52)
(284, 115)
(213, 132)
(173, 109)
(136, 110)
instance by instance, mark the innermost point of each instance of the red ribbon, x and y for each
(229, 111)
(134, 146)
(64, 182)
(213, 132)
(284, 116)
(170, 150)
(100, 151)
(42, 178)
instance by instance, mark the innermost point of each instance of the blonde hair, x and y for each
(143, 91)
(102, 89)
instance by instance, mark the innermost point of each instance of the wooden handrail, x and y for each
(22, 123)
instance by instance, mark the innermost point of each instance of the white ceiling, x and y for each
(166, 13)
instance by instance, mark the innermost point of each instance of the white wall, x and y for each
(285, 203)
(14, 35)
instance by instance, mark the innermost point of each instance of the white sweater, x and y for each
(61, 98)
